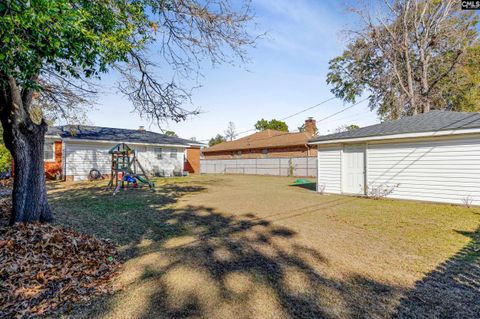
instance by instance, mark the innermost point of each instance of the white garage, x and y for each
(429, 157)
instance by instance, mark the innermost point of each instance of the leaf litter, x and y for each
(44, 268)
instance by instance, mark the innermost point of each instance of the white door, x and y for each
(354, 169)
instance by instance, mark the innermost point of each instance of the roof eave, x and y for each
(396, 136)
(255, 147)
(69, 139)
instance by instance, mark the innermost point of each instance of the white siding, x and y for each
(441, 170)
(81, 157)
(330, 168)
(152, 165)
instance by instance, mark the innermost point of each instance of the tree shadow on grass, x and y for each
(217, 265)
(195, 261)
(450, 291)
(127, 218)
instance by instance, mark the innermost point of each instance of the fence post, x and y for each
(307, 166)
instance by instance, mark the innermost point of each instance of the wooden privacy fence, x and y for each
(294, 166)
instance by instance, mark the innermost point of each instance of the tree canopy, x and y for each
(54, 46)
(53, 52)
(273, 124)
(346, 128)
(216, 140)
(409, 57)
(171, 133)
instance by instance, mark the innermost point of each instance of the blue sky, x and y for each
(286, 74)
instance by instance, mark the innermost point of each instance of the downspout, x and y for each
(64, 158)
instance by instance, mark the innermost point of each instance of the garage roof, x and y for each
(96, 133)
(433, 121)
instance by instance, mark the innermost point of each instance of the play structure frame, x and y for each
(126, 169)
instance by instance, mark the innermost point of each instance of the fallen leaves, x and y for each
(6, 183)
(45, 267)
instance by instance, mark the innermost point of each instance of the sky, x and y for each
(286, 74)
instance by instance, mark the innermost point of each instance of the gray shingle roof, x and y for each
(428, 122)
(95, 133)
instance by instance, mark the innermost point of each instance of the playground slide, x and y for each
(145, 181)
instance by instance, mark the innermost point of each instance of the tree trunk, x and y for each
(29, 195)
(29, 192)
(25, 140)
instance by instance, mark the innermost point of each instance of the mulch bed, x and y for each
(46, 268)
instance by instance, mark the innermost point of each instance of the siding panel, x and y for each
(443, 171)
(330, 168)
(82, 157)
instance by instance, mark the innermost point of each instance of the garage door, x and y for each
(81, 158)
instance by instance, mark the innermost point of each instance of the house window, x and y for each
(173, 153)
(158, 152)
(49, 151)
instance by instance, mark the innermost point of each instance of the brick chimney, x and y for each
(141, 129)
(311, 126)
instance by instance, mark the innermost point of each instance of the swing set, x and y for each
(126, 171)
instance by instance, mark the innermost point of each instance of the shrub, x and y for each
(380, 191)
(5, 159)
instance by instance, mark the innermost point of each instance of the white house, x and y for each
(430, 157)
(72, 151)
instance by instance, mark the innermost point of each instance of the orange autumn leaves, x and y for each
(45, 267)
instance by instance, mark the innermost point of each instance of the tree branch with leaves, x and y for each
(53, 54)
(405, 55)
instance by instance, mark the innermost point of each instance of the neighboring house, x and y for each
(430, 157)
(71, 151)
(266, 144)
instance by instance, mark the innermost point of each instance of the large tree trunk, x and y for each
(25, 140)
(29, 192)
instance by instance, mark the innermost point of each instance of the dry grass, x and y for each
(256, 247)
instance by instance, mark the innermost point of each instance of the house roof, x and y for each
(262, 139)
(433, 121)
(96, 133)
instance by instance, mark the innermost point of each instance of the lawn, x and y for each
(258, 247)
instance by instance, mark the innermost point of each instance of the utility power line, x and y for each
(307, 109)
(295, 114)
(320, 120)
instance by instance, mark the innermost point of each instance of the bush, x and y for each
(5, 159)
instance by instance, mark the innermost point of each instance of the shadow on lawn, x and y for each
(198, 262)
(310, 186)
(450, 291)
(127, 218)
